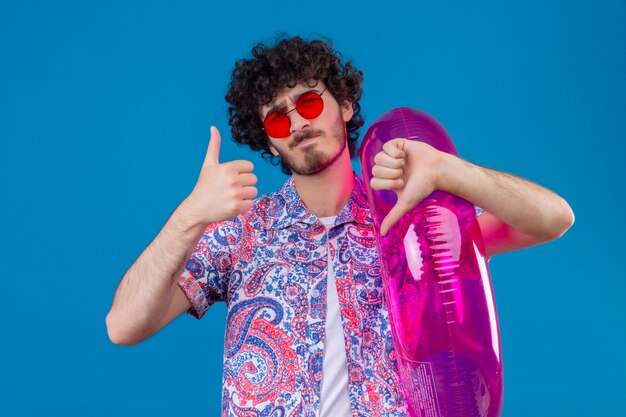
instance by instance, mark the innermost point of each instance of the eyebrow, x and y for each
(283, 104)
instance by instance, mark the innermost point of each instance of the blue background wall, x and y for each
(105, 110)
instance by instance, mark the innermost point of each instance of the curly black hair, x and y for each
(256, 82)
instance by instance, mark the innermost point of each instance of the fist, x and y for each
(223, 191)
(411, 169)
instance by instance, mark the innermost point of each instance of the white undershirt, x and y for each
(334, 398)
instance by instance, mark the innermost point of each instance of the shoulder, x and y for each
(272, 208)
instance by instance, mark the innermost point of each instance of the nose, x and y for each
(298, 123)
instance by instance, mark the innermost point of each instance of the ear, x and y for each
(273, 149)
(347, 111)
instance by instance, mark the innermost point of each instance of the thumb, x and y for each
(393, 216)
(213, 152)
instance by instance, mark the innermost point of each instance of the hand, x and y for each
(412, 169)
(223, 191)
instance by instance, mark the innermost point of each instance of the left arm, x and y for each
(518, 212)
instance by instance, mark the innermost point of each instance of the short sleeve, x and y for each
(205, 277)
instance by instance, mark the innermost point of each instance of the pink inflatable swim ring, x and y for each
(437, 287)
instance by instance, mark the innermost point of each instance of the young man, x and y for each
(307, 330)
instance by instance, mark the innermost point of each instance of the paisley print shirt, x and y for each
(269, 265)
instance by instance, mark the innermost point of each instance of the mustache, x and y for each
(299, 137)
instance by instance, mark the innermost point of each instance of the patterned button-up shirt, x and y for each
(270, 267)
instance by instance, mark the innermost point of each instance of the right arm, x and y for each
(148, 297)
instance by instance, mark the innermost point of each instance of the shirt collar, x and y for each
(285, 208)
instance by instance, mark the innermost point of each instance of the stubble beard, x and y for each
(315, 160)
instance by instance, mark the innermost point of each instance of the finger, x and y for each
(247, 179)
(392, 217)
(248, 193)
(213, 151)
(241, 166)
(400, 143)
(383, 159)
(395, 148)
(382, 172)
(387, 184)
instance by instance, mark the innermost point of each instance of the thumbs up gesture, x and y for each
(223, 191)
(412, 170)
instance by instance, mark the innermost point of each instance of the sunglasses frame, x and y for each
(286, 114)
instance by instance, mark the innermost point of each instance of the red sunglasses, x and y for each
(309, 105)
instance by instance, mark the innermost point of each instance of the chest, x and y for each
(291, 265)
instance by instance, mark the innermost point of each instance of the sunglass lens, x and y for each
(310, 105)
(277, 125)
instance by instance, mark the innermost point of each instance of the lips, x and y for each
(303, 141)
(307, 140)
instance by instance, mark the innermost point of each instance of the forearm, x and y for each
(147, 288)
(521, 204)
(147, 297)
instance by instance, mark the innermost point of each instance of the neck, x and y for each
(327, 192)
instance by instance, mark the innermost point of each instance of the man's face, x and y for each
(313, 144)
